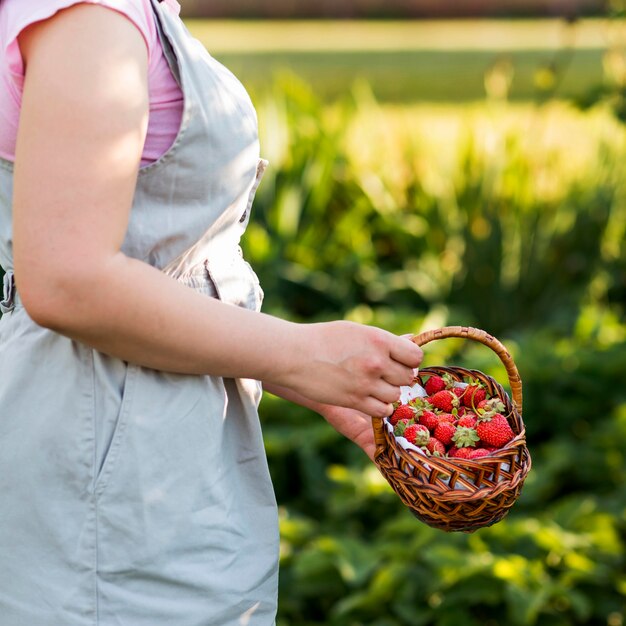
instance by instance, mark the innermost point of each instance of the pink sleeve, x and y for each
(16, 15)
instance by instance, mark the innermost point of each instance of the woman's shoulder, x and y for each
(16, 15)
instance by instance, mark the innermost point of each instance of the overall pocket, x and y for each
(235, 281)
(110, 440)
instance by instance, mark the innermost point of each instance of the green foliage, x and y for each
(506, 227)
(508, 218)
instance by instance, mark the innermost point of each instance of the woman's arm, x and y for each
(82, 128)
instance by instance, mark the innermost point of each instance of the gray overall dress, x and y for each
(130, 496)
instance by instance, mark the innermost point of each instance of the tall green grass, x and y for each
(507, 216)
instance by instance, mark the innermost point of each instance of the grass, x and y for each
(412, 61)
(412, 76)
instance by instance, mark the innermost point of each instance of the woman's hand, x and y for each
(349, 373)
(349, 365)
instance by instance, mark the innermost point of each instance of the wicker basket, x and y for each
(460, 494)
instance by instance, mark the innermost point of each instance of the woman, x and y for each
(134, 484)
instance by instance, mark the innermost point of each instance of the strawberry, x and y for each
(465, 437)
(477, 453)
(444, 432)
(417, 434)
(446, 417)
(460, 453)
(404, 411)
(493, 404)
(474, 394)
(420, 403)
(444, 400)
(434, 384)
(447, 378)
(435, 446)
(428, 419)
(401, 426)
(458, 391)
(468, 420)
(494, 430)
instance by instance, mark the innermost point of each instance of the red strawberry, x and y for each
(468, 420)
(420, 403)
(444, 400)
(434, 384)
(477, 453)
(492, 404)
(474, 394)
(428, 419)
(461, 453)
(434, 445)
(494, 431)
(404, 411)
(444, 432)
(458, 391)
(417, 434)
(401, 426)
(465, 437)
(446, 417)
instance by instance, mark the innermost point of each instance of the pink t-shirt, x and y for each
(166, 99)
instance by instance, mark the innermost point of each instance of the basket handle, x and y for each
(467, 332)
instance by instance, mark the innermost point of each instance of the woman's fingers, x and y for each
(375, 408)
(404, 351)
(385, 392)
(354, 366)
(400, 371)
(398, 375)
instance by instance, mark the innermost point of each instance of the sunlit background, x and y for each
(434, 163)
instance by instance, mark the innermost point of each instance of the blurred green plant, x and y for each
(611, 90)
(511, 218)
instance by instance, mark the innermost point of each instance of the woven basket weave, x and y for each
(460, 494)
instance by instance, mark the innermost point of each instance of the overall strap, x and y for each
(9, 295)
(168, 49)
